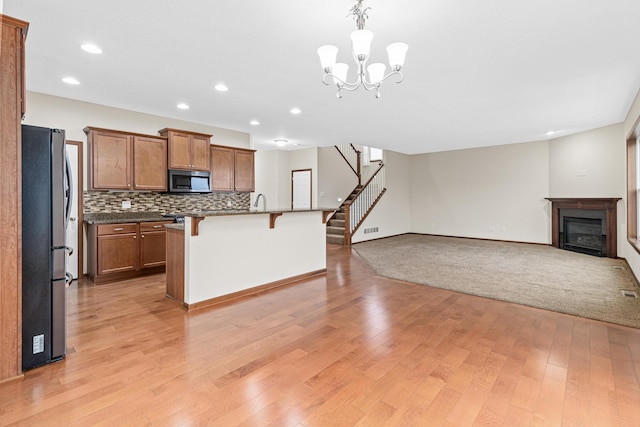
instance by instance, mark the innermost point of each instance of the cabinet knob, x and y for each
(142, 236)
(134, 237)
(128, 185)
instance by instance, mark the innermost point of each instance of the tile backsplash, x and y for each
(102, 201)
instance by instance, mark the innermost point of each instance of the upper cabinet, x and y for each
(126, 161)
(187, 150)
(244, 172)
(232, 169)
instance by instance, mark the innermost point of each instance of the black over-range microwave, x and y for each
(189, 181)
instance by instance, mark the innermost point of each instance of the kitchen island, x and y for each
(217, 256)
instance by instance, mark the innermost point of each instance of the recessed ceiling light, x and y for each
(280, 142)
(295, 111)
(182, 106)
(551, 132)
(71, 81)
(221, 88)
(254, 123)
(91, 48)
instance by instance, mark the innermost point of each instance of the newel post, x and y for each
(347, 223)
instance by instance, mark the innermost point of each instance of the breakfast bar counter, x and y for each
(218, 256)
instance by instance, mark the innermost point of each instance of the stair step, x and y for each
(337, 223)
(336, 240)
(335, 230)
(339, 216)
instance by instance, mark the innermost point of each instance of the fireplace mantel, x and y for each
(608, 204)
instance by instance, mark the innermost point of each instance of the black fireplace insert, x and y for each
(584, 235)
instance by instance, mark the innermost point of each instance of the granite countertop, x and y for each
(252, 212)
(122, 217)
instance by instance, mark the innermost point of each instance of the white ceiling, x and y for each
(477, 73)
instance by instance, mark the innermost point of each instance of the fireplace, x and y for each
(585, 225)
(583, 235)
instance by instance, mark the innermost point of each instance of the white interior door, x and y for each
(301, 189)
(72, 228)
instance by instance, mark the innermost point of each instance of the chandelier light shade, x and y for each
(361, 50)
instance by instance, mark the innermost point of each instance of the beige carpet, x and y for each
(534, 275)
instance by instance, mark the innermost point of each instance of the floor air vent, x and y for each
(632, 294)
(618, 267)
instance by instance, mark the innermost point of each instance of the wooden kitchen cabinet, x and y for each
(152, 244)
(126, 161)
(149, 163)
(244, 170)
(123, 251)
(232, 169)
(187, 150)
(222, 168)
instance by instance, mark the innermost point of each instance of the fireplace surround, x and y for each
(585, 217)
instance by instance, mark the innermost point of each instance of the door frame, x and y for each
(80, 219)
(310, 185)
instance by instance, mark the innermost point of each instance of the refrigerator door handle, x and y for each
(68, 191)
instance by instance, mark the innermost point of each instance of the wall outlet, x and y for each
(126, 204)
(228, 203)
(492, 228)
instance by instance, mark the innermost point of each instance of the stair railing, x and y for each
(357, 210)
(353, 157)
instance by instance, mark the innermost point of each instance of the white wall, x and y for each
(272, 179)
(335, 179)
(588, 164)
(392, 214)
(591, 164)
(491, 193)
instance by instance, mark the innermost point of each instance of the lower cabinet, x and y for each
(122, 251)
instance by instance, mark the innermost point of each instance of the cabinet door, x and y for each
(149, 163)
(111, 161)
(244, 175)
(179, 151)
(200, 153)
(222, 169)
(152, 248)
(117, 253)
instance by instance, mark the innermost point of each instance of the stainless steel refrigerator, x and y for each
(46, 203)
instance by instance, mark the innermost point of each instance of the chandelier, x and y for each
(361, 48)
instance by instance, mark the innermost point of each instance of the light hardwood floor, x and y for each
(348, 349)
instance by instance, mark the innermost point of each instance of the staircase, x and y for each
(336, 225)
(352, 212)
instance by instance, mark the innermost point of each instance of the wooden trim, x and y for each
(166, 130)
(12, 38)
(80, 202)
(607, 204)
(325, 215)
(253, 291)
(249, 150)
(88, 129)
(126, 275)
(632, 197)
(347, 161)
(195, 221)
(272, 219)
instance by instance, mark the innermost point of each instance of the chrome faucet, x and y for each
(264, 201)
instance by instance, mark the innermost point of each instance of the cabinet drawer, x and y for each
(145, 227)
(104, 229)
